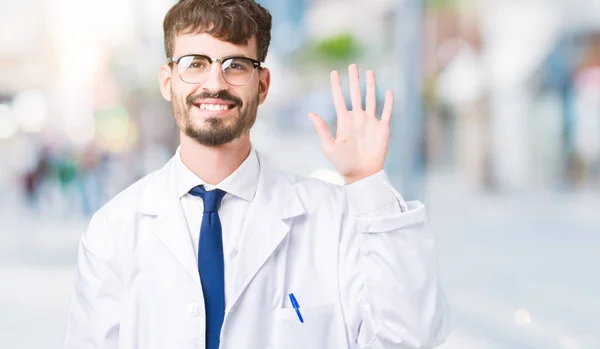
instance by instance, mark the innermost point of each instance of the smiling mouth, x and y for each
(214, 107)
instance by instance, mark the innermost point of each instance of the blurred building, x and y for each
(501, 90)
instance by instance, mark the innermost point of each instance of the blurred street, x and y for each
(519, 270)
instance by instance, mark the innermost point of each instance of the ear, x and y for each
(164, 80)
(263, 84)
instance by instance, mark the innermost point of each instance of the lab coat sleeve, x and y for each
(391, 294)
(93, 319)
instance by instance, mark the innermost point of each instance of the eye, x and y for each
(197, 65)
(237, 66)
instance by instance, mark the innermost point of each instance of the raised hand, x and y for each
(361, 142)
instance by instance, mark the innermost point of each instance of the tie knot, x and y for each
(211, 198)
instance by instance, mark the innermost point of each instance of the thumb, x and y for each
(322, 130)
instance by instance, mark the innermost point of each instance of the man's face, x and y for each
(213, 112)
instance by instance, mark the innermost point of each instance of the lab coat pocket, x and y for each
(320, 329)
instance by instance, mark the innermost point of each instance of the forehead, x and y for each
(208, 45)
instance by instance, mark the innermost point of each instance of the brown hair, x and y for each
(234, 21)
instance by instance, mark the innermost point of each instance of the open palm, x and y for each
(361, 142)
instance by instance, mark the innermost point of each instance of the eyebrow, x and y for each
(236, 55)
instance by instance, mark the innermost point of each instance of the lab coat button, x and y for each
(194, 309)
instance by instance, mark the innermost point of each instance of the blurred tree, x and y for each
(337, 48)
(441, 4)
(328, 53)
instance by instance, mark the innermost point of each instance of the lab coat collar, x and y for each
(267, 225)
(265, 228)
(159, 198)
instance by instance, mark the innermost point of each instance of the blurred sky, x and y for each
(496, 128)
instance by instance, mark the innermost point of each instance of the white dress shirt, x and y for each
(240, 187)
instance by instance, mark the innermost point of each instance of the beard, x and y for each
(216, 131)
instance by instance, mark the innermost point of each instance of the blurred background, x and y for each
(496, 129)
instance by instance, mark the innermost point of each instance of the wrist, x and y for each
(355, 177)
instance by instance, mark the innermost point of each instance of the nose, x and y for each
(214, 81)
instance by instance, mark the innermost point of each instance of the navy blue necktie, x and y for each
(211, 265)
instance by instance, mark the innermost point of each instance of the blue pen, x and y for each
(296, 307)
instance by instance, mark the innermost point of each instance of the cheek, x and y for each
(249, 94)
(179, 94)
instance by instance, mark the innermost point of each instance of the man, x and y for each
(220, 250)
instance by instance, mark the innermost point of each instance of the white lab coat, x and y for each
(363, 279)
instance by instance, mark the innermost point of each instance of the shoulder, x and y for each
(126, 202)
(315, 192)
(307, 189)
(314, 186)
(111, 225)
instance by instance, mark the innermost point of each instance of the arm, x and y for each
(388, 272)
(93, 320)
(388, 275)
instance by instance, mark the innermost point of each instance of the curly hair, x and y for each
(234, 21)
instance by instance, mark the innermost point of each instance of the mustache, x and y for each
(223, 95)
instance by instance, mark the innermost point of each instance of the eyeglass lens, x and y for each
(195, 69)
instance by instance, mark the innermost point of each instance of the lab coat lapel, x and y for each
(160, 199)
(266, 226)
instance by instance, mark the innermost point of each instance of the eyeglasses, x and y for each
(237, 71)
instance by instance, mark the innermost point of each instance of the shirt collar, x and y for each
(241, 183)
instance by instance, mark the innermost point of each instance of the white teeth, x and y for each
(213, 107)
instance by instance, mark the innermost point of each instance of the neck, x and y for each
(214, 164)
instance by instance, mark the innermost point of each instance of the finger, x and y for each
(339, 101)
(388, 106)
(371, 99)
(322, 130)
(355, 93)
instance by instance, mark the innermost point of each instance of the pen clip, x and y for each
(296, 307)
